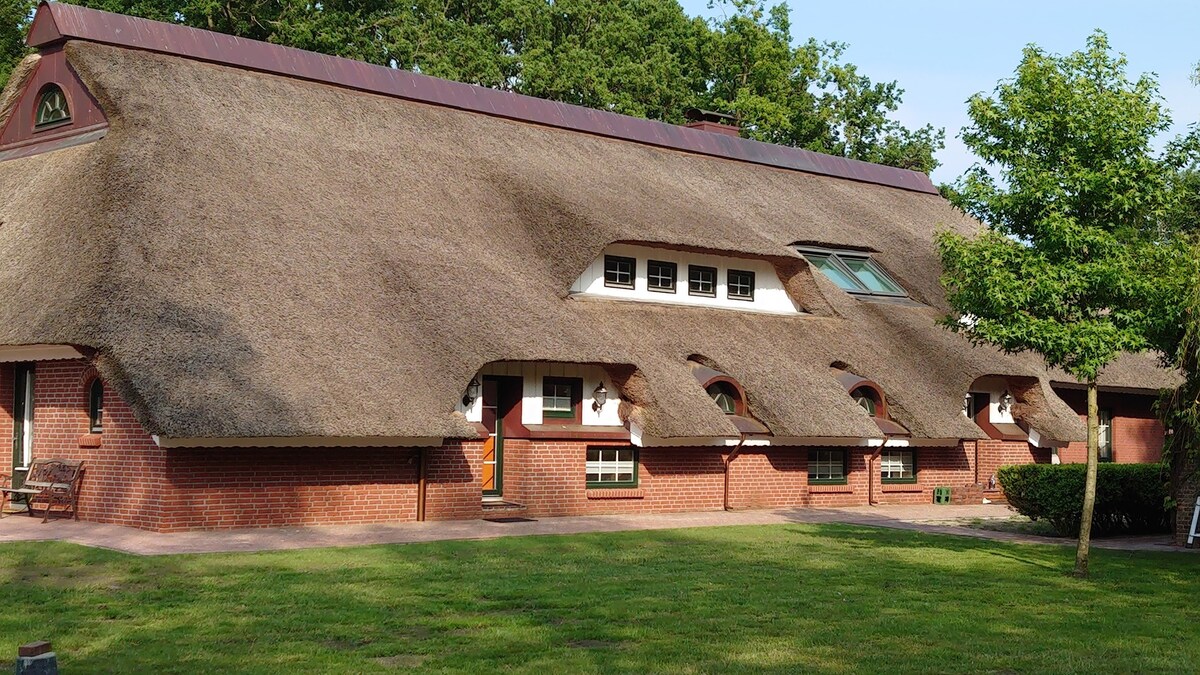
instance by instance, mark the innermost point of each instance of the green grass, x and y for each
(773, 598)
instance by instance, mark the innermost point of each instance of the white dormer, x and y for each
(669, 276)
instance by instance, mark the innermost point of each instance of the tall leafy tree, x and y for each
(1074, 196)
(14, 22)
(644, 58)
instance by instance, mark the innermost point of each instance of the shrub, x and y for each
(1130, 498)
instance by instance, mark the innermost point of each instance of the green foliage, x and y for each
(1076, 246)
(14, 22)
(1130, 498)
(644, 58)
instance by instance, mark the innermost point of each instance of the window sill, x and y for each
(90, 440)
(615, 493)
(827, 488)
(902, 487)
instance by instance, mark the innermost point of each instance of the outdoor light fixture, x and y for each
(599, 397)
(1006, 402)
(472, 392)
(967, 404)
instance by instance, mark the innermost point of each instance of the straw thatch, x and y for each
(251, 255)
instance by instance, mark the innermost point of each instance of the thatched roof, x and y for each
(253, 255)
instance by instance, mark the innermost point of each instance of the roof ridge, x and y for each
(55, 22)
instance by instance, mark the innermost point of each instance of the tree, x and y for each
(645, 58)
(1075, 215)
(14, 22)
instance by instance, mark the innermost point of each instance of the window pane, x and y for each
(611, 465)
(702, 280)
(834, 272)
(618, 271)
(869, 275)
(741, 285)
(661, 276)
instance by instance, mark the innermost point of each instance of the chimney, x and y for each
(715, 122)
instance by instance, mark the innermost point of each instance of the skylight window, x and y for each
(854, 272)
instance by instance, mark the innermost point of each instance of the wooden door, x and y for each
(501, 417)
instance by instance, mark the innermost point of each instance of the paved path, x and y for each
(924, 518)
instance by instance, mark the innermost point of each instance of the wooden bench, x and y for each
(49, 481)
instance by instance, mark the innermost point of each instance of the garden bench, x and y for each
(52, 481)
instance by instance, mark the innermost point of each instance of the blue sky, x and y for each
(942, 52)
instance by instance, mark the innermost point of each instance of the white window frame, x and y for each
(615, 466)
(893, 469)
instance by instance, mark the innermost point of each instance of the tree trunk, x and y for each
(1089, 488)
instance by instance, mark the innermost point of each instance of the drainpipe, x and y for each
(421, 454)
(871, 463)
(729, 460)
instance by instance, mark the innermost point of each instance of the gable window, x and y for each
(618, 271)
(612, 467)
(854, 272)
(52, 108)
(1106, 436)
(898, 466)
(660, 276)
(96, 406)
(560, 398)
(702, 281)
(741, 285)
(826, 467)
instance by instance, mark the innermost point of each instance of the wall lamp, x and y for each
(599, 397)
(472, 393)
(1006, 402)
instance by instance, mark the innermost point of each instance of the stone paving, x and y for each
(924, 518)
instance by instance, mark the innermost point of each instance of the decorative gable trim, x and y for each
(20, 137)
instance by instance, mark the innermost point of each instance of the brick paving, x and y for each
(920, 518)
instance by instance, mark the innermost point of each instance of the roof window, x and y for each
(853, 272)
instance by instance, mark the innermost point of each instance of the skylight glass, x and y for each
(854, 272)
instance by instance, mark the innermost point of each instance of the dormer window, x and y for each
(867, 399)
(52, 108)
(725, 396)
(702, 281)
(853, 272)
(619, 271)
(660, 276)
(673, 276)
(741, 285)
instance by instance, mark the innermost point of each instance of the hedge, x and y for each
(1130, 498)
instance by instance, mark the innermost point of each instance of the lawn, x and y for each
(772, 598)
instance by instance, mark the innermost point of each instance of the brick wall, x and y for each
(994, 454)
(131, 481)
(1137, 435)
(1187, 486)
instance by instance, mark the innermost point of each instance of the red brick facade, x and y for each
(1137, 435)
(130, 480)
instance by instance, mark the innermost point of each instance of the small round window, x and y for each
(865, 398)
(724, 396)
(52, 107)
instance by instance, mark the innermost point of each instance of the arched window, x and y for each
(868, 399)
(725, 396)
(96, 406)
(52, 107)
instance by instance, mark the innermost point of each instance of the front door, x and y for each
(22, 422)
(501, 410)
